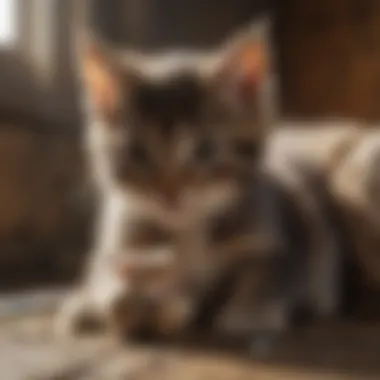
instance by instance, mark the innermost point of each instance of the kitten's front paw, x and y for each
(127, 315)
(76, 317)
(244, 322)
(326, 303)
(260, 325)
(264, 343)
(174, 317)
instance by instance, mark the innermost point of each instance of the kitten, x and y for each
(173, 140)
(176, 142)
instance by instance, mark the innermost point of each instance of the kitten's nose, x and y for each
(170, 196)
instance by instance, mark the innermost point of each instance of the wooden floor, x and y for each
(29, 351)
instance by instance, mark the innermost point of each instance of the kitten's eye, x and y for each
(205, 151)
(138, 154)
(246, 150)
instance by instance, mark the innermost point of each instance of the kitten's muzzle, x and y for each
(170, 196)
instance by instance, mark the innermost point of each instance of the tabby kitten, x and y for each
(173, 140)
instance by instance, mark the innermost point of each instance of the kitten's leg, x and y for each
(323, 257)
(256, 311)
(325, 280)
(174, 316)
(98, 301)
(151, 298)
(113, 307)
(122, 309)
(324, 272)
(191, 275)
(245, 320)
(259, 325)
(76, 315)
(105, 294)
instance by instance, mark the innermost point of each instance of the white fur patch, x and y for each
(194, 207)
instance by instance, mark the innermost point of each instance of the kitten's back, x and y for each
(319, 144)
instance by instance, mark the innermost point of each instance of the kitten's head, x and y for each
(179, 133)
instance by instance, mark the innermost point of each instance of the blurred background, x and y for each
(326, 61)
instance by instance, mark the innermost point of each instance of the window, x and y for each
(36, 70)
(9, 23)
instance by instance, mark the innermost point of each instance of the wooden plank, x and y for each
(30, 351)
(329, 57)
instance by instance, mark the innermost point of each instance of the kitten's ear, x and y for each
(100, 76)
(242, 69)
